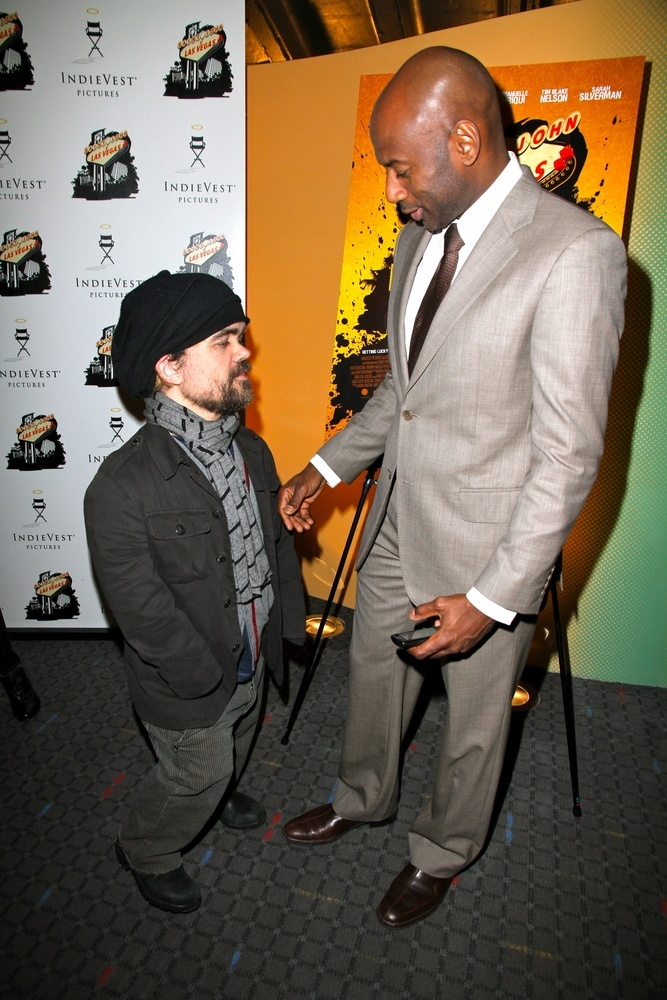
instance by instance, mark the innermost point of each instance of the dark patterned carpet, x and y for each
(555, 907)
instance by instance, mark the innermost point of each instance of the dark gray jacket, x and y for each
(160, 549)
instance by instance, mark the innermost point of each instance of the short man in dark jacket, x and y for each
(196, 567)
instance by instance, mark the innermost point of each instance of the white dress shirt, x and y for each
(470, 225)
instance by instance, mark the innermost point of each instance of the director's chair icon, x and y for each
(197, 145)
(39, 506)
(106, 244)
(94, 32)
(116, 424)
(5, 141)
(22, 337)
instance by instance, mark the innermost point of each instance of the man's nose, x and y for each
(395, 189)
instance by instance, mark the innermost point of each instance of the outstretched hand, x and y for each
(460, 626)
(296, 496)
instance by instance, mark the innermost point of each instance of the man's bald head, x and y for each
(439, 113)
(448, 83)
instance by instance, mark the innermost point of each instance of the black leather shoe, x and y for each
(320, 825)
(242, 813)
(174, 891)
(411, 896)
(22, 697)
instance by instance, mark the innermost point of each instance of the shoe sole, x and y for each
(318, 841)
(411, 920)
(160, 904)
(244, 826)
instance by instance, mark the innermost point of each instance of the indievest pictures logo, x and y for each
(109, 170)
(100, 370)
(208, 255)
(54, 598)
(100, 82)
(202, 68)
(35, 534)
(23, 267)
(38, 445)
(15, 65)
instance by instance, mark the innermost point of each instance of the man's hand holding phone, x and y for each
(458, 627)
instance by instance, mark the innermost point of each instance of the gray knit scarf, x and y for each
(209, 442)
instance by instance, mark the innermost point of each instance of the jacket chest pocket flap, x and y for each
(180, 543)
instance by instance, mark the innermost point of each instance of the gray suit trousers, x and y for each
(384, 686)
(194, 767)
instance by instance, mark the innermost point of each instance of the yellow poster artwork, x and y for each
(573, 124)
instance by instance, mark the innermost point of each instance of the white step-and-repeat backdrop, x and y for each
(122, 152)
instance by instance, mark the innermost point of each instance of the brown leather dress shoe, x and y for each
(411, 896)
(320, 825)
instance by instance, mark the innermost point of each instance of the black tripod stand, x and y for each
(566, 684)
(311, 666)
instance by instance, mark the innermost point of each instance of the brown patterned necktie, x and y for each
(435, 293)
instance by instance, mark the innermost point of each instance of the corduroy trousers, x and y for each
(193, 770)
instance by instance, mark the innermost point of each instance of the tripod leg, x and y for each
(309, 672)
(566, 687)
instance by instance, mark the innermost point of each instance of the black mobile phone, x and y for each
(405, 640)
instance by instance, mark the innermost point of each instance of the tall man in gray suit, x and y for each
(492, 435)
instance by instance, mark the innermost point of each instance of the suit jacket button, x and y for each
(407, 415)
(227, 603)
(221, 559)
(179, 529)
(235, 647)
(217, 513)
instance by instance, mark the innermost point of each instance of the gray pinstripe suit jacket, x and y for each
(496, 439)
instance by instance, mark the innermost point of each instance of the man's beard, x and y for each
(231, 397)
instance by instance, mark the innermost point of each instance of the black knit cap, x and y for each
(163, 315)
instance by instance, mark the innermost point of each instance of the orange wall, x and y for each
(301, 120)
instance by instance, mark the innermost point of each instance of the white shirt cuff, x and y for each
(328, 473)
(489, 608)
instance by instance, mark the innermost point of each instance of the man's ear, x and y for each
(466, 141)
(168, 370)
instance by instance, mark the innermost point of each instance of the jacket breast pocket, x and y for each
(179, 541)
(488, 506)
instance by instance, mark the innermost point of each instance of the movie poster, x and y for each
(573, 124)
